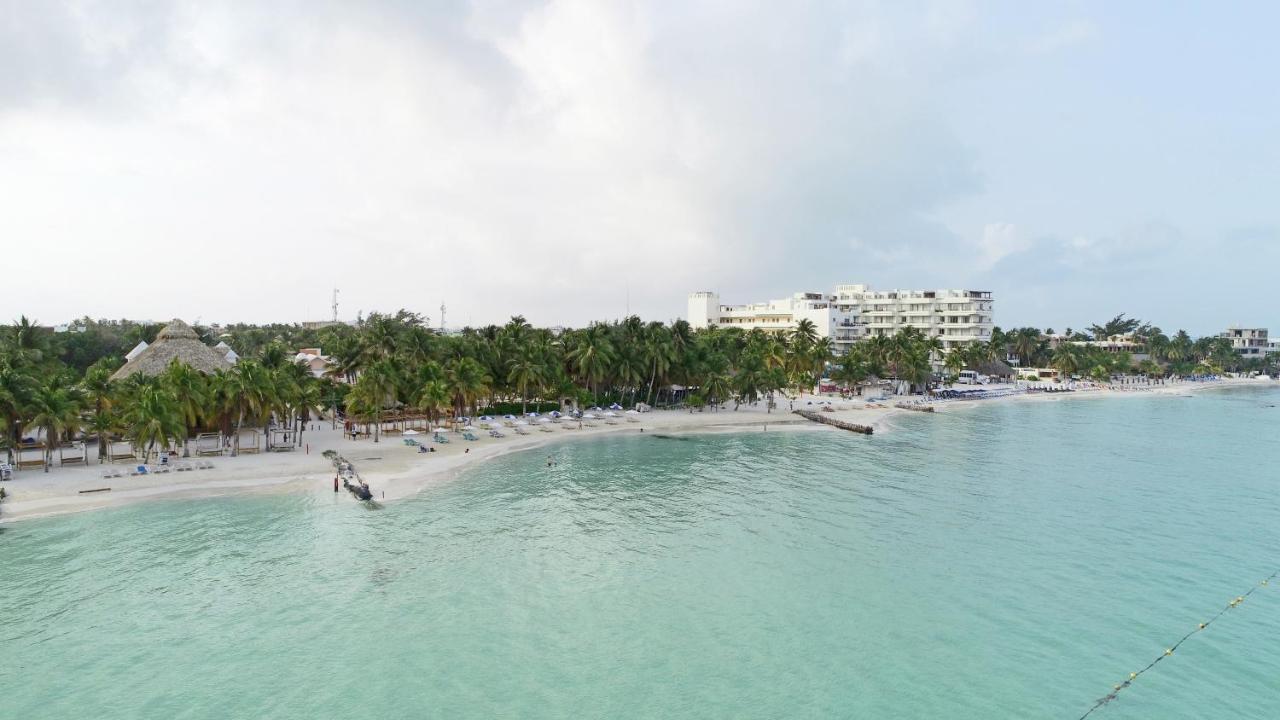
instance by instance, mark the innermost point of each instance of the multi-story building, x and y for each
(1248, 342)
(854, 312)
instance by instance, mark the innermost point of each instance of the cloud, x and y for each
(545, 158)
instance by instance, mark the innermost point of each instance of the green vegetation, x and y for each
(58, 384)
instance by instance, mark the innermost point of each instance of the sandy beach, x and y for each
(395, 470)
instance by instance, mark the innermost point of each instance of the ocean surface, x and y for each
(1012, 560)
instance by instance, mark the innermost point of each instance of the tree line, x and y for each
(59, 385)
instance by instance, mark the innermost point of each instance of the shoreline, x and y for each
(395, 471)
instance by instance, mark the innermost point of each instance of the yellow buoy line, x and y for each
(1235, 602)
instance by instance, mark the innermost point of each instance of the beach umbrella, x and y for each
(611, 414)
(508, 417)
(544, 420)
(485, 417)
(615, 406)
(531, 414)
(589, 416)
(520, 422)
(554, 413)
(410, 432)
(468, 428)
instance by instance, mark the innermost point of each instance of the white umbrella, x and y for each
(409, 432)
(544, 420)
(485, 417)
(508, 417)
(612, 414)
(531, 414)
(520, 422)
(588, 416)
(468, 428)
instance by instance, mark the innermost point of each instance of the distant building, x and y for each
(314, 360)
(1249, 342)
(855, 312)
(227, 352)
(136, 351)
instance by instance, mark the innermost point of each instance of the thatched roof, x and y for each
(994, 368)
(176, 341)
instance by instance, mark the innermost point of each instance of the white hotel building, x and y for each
(1249, 342)
(854, 312)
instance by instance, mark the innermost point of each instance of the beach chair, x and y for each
(138, 470)
(496, 434)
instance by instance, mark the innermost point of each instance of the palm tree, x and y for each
(805, 332)
(251, 394)
(1066, 361)
(658, 353)
(153, 419)
(433, 397)
(98, 389)
(57, 413)
(526, 370)
(17, 387)
(590, 355)
(468, 382)
(188, 388)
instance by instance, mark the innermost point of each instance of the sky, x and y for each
(580, 160)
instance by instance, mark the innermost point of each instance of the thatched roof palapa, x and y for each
(995, 368)
(177, 341)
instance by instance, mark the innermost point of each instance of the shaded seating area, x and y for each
(280, 440)
(73, 454)
(120, 450)
(29, 456)
(209, 443)
(250, 441)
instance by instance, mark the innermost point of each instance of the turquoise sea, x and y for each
(1013, 560)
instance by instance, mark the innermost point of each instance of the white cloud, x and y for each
(999, 240)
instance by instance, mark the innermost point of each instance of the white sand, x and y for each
(394, 470)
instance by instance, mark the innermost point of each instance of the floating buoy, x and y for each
(1133, 676)
(1168, 651)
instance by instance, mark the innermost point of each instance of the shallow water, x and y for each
(1012, 560)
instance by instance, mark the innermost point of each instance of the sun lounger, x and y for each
(440, 439)
(496, 434)
(469, 436)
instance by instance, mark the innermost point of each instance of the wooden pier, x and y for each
(820, 418)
